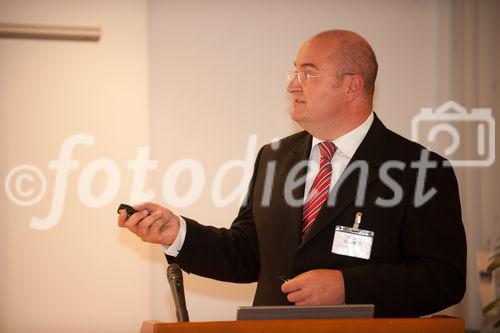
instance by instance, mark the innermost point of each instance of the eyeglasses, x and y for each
(304, 77)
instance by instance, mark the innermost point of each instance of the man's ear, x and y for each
(355, 87)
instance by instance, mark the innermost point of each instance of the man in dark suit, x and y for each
(379, 221)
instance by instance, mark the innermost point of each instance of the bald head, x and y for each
(351, 53)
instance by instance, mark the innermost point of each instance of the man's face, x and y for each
(318, 102)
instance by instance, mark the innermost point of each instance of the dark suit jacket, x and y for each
(418, 258)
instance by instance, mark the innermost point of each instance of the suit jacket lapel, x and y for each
(299, 154)
(371, 151)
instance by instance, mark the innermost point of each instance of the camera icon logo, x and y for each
(468, 137)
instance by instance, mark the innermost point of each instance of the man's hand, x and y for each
(152, 223)
(316, 287)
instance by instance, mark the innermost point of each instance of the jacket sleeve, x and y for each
(223, 254)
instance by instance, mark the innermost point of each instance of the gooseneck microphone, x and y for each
(174, 275)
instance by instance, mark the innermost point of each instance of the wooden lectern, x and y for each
(437, 324)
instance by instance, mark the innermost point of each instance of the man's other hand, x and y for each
(316, 287)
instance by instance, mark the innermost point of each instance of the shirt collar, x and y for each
(348, 143)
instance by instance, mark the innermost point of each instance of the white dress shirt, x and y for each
(346, 145)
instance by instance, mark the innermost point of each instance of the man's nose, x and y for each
(294, 85)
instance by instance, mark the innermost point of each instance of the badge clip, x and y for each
(357, 220)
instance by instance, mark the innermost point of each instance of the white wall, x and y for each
(191, 80)
(84, 274)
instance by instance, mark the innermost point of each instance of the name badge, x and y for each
(352, 242)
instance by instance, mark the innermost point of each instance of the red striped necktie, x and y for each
(321, 186)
